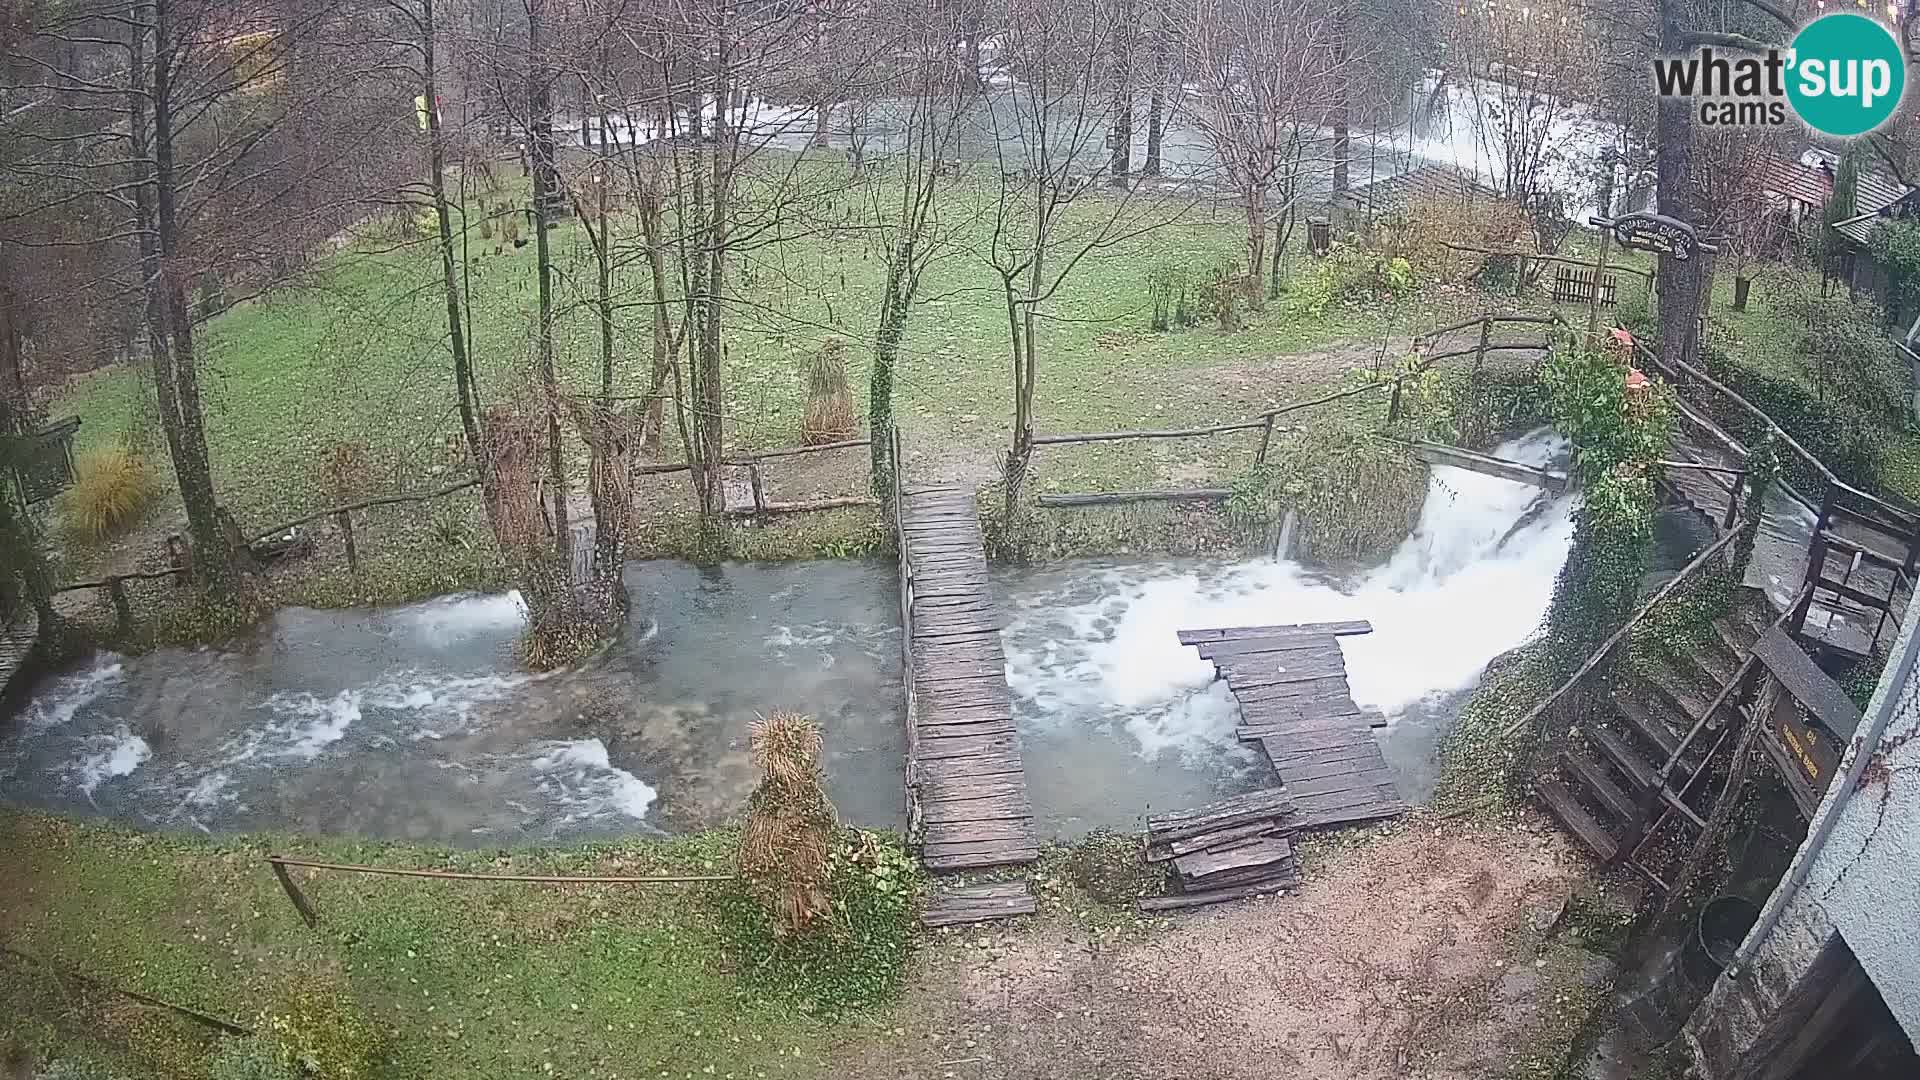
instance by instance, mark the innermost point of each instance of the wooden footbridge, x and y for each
(1291, 683)
(966, 786)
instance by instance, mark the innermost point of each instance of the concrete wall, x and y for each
(1863, 887)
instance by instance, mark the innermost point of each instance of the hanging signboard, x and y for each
(1657, 233)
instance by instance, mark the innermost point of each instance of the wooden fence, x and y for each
(352, 538)
(1267, 422)
(1574, 285)
(310, 914)
(755, 464)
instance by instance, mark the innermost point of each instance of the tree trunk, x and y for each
(1156, 100)
(886, 354)
(1342, 143)
(651, 227)
(709, 388)
(1256, 244)
(170, 323)
(1120, 130)
(1679, 280)
(464, 391)
(540, 140)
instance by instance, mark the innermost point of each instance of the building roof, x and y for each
(1802, 183)
(1874, 197)
(1423, 182)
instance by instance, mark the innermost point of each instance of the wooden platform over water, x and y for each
(1291, 682)
(966, 785)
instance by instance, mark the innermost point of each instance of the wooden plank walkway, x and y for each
(966, 785)
(978, 903)
(1291, 682)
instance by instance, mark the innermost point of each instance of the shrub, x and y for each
(1351, 274)
(319, 1034)
(111, 489)
(1840, 435)
(72, 1068)
(829, 416)
(1357, 497)
(249, 1058)
(854, 959)
(1168, 287)
(1421, 232)
(1220, 294)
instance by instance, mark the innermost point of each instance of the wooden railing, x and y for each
(1619, 637)
(1267, 422)
(755, 465)
(912, 709)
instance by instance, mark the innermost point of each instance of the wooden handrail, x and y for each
(1179, 433)
(365, 504)
(1904, 516)
(1620, 635)
(535, 879)
(1726, 691)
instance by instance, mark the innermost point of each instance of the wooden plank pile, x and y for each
(1230, 850)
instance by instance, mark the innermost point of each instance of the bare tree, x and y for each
(913, 232)
(1050, 215)
(1265, 74)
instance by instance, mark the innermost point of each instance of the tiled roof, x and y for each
(1808, 184)
(1424, 182)
(1875, 198)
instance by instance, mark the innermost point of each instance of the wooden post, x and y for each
(1733, 501)
(344, 519)
(1480, 354)
(759, 493)
(1266, 441)
(294, 894)
(1593, 300)
(122, 610)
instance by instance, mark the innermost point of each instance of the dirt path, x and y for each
(1407, 957)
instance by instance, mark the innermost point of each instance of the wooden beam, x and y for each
(1439, 454)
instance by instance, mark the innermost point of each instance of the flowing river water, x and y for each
(413, 722)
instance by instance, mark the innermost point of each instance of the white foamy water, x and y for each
(1472, 582)
(109, 756)
(68, 694)
(578, 775)
(451, 620)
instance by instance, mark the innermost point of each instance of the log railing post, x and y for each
(1266, 441)
(1480, 354)
(759, 491)
(344, 519)
(122, 609)
(300, 902)
(1733, 501)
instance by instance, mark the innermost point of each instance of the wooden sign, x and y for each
(1655, 232)
(1807, 755)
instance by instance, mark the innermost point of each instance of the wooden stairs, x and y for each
(1607, 787)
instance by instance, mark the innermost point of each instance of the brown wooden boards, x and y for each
(966, 785)
(977, 903)
(1291, 683)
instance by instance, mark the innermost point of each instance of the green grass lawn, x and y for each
(356, 354)
(464, 979)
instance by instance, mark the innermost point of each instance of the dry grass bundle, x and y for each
(111, 489)
(790, 826)
(346, 471)
(513, 447)
(829, 400)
